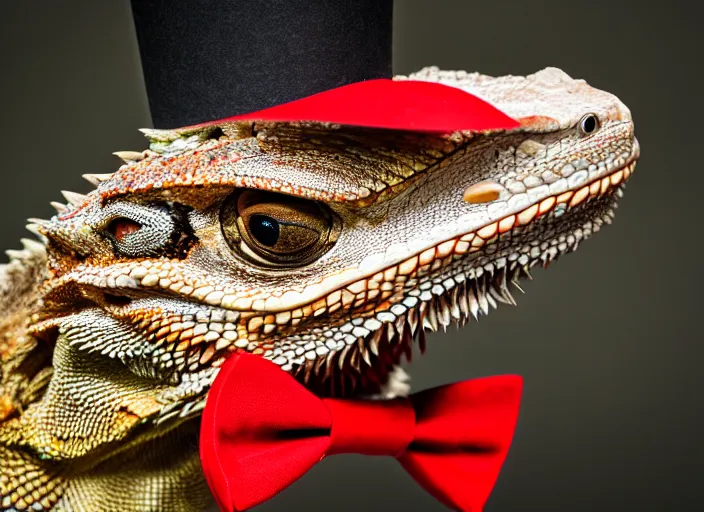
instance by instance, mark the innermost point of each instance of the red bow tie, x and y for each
(262, 430)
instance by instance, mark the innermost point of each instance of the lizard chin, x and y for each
(452, 283)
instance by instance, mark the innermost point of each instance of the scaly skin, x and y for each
(115, 324)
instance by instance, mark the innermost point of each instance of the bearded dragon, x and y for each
(326, 249)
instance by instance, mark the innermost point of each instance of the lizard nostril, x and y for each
(482, 192)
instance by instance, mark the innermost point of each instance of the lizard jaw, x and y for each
(453, 282)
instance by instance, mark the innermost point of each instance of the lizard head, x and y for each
(326, 249)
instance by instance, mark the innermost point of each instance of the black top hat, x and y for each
(213, 59)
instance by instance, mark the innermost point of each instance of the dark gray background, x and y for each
(607, 340)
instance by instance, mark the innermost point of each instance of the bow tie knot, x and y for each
(262, 430)
(371, 427)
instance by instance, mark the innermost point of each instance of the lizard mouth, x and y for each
(457, 280)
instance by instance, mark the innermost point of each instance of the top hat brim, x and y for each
(406, 105)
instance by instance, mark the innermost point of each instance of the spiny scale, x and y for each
(128, 157)
(96, 179)
(74, 198)
(29, 249)
(34, 229)
(59, 207)
(346, 368)
(155, 135)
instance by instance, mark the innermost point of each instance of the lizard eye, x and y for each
(589, 124)
(122, 227)
(138, 230)
(277, 229)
